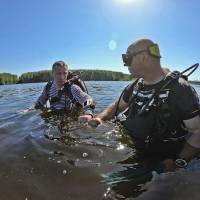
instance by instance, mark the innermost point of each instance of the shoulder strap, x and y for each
(138, 84)
(173, 75)
(130, 90)
(169, 79)
(67, 90)
(78, 81)
(48, 86)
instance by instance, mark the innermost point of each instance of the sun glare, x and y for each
(125, 1)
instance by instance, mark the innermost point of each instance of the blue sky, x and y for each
(92, 34)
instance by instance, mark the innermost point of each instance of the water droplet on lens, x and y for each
(85, 155)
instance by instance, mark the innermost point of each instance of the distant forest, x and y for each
(86, 75)
(7, 78)
(46, 75)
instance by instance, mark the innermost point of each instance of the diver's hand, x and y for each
(169, 165)
(95, 122)
(84, 118)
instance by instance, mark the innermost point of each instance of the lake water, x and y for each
(33, 167)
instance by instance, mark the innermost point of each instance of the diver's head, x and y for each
(142, 56)
(60, 73)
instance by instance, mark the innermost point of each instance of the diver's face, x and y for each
(136, 64)
(60, 75)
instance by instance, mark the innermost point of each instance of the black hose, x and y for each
(195, 66)
(117, 106)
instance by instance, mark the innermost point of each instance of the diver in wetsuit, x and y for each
(166, 125)
(65, 93)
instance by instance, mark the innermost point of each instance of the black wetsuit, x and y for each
(157, 133)
(162, 121)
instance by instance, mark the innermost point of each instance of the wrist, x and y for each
(188, 152)
(168, 165)
(91, 115)
(89, 112)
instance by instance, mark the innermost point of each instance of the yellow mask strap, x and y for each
(154, 50)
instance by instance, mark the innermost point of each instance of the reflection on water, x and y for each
(57, 158)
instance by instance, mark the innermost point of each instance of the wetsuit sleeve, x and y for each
(41, 101)
(187, 100)
(82, 98)
(127, 93)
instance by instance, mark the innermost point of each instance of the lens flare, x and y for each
(112, 45)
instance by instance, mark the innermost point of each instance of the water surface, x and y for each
(33, 167)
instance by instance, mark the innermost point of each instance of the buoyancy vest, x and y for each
(154, 117)
(72, 79)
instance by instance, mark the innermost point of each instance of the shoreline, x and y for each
(192, 82)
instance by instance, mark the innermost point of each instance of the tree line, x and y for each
(7, 78)
(86, 75)
(46, 75)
